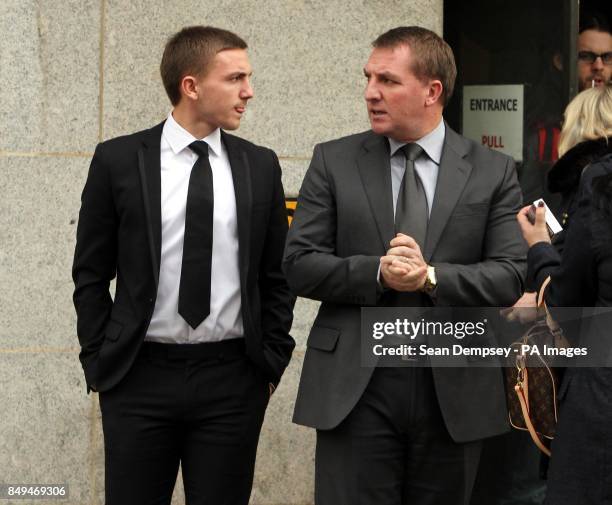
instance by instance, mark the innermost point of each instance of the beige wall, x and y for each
(74, 72)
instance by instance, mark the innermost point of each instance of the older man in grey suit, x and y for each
(407, 214)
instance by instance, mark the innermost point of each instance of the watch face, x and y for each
(430, 280)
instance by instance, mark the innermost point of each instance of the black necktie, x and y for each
(194, 290)
(411, 212)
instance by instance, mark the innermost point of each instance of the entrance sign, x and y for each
(493, 117)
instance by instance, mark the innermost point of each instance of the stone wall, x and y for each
(75, 72)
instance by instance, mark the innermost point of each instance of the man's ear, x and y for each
(434, 91)
(189, 87)
(557, 61)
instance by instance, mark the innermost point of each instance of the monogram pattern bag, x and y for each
(532, 385)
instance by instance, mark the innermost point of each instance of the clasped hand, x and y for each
(403, 267)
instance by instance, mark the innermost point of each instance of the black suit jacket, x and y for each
(343, 225)
(119, 233)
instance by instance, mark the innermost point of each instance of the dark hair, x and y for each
(432, 56)
(190, 52)
(594, 20)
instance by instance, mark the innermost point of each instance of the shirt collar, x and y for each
(178, 138)
(432, 143)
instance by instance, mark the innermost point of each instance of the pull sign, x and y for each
(493, 117)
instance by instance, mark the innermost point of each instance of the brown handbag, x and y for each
(531, 386)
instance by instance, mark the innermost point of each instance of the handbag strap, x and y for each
(541, 302)
(553, 326)
(520, 392)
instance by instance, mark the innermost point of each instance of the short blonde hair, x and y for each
(587, 117)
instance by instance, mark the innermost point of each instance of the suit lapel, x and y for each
(241, 176)
(453, 175)
(150, 173)
(375, 171)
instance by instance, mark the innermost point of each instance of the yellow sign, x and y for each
(290, 204)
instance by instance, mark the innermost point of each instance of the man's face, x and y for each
(224, 90)
(593, 41)
(394, 96)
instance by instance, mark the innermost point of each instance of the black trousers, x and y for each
(509, 472)
(200, 406)
(394, 449)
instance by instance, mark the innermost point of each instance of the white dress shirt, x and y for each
(225, 318)
(426, 165)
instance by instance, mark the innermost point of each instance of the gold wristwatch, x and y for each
(430, 281)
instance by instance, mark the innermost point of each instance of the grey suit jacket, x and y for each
(343, 225)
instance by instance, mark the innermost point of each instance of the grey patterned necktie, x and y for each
(411, 212)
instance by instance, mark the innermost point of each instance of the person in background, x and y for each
(581, 276)
(514, 478)
(594, 70)
(594, 51)
(584, 139)
(546, 103)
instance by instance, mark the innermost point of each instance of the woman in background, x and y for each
(583, 140)
(581, 276)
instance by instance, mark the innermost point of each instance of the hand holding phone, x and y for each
(552, 225)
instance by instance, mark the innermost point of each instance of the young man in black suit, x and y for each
(192, 222)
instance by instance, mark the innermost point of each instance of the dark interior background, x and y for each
(513, 42)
